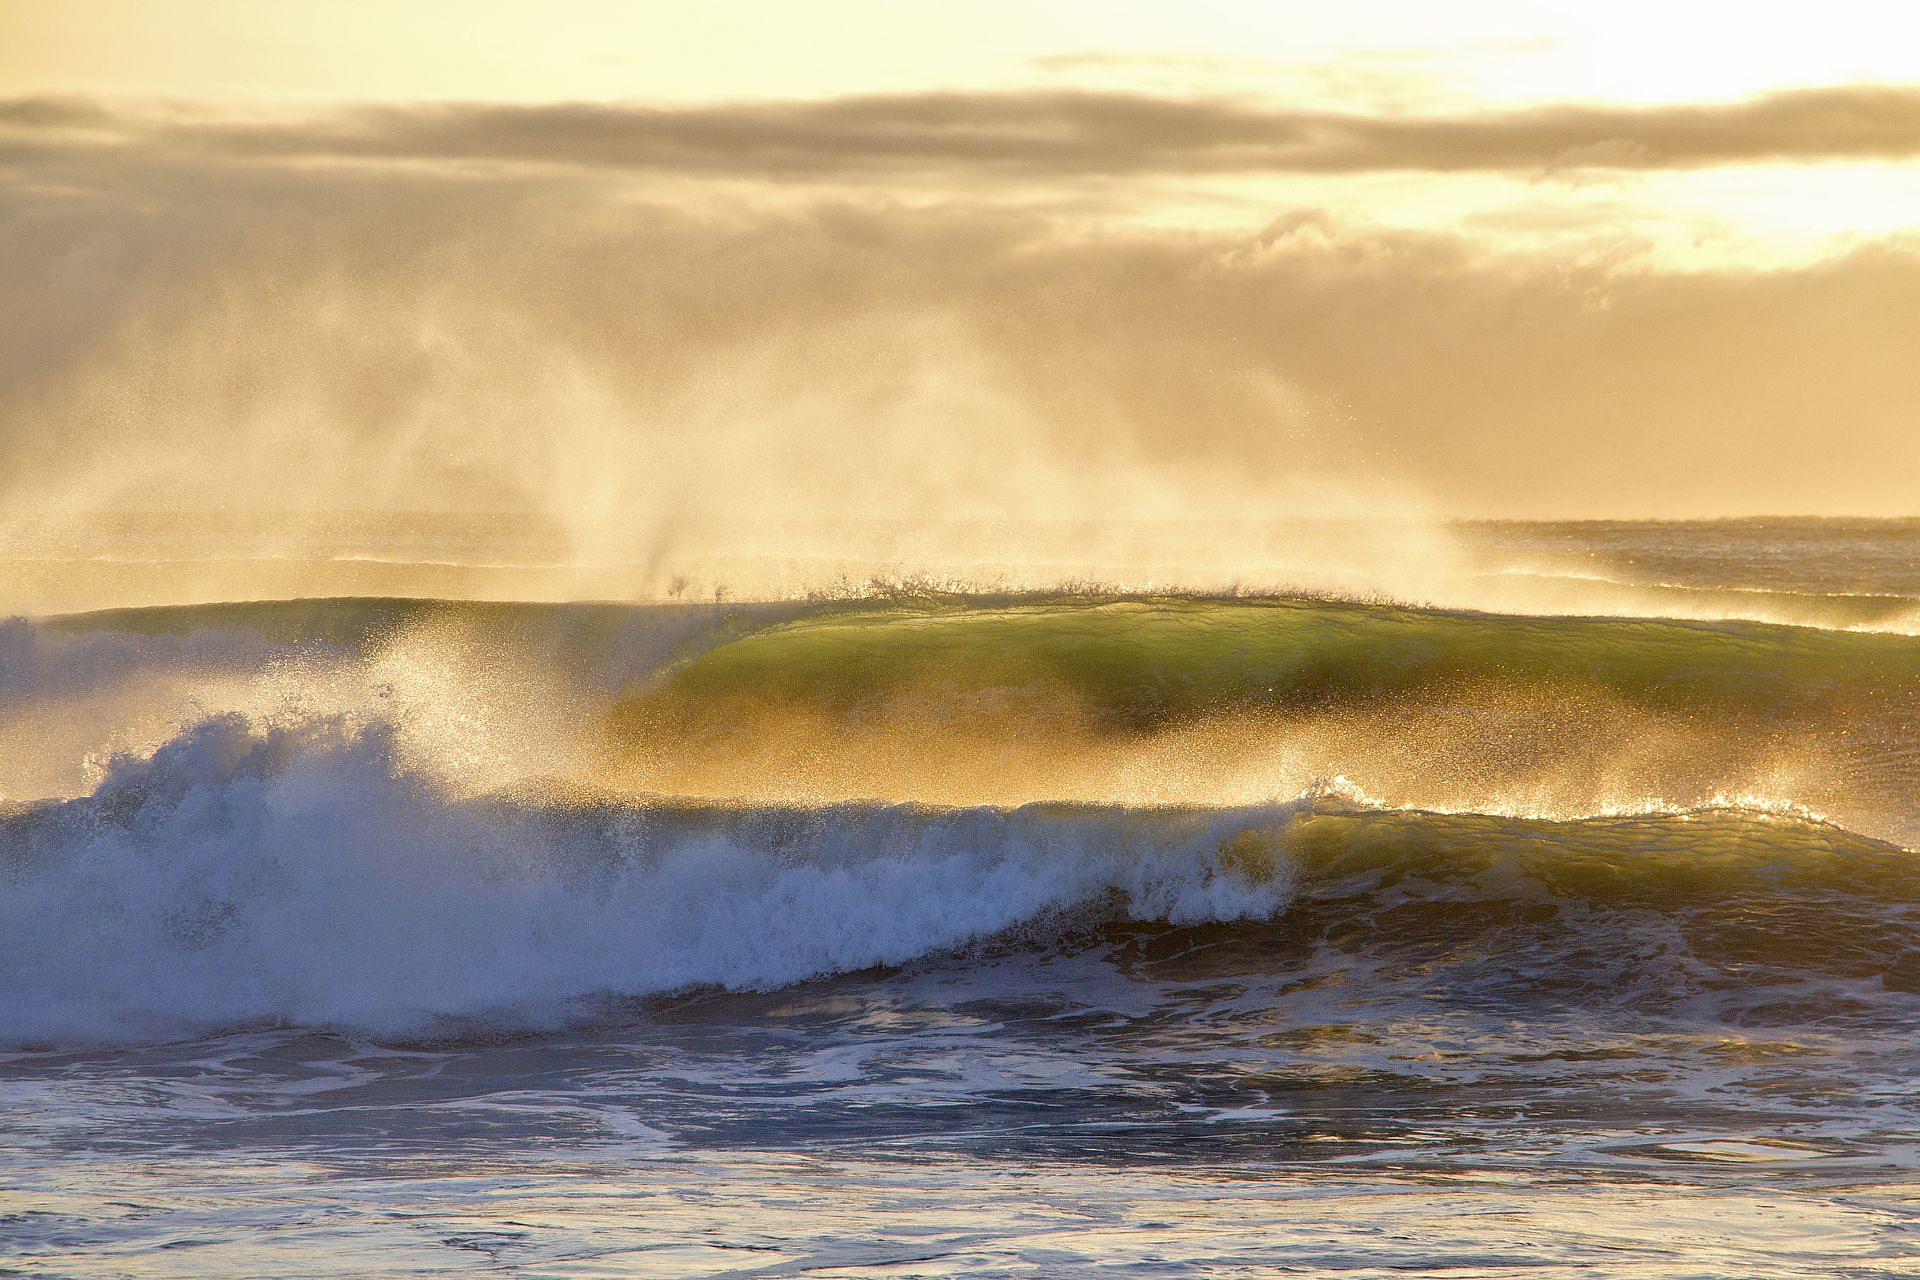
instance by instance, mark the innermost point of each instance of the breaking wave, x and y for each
(248, 875)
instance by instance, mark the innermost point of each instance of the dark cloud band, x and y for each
(1023, 135)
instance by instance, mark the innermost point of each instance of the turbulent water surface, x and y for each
(1023, 935)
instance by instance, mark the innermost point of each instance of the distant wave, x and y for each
(1144, 662)
(1660, 584)
(1586, 592)
(750, 694)
(1172, 652)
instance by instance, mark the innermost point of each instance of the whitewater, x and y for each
(1011, 932)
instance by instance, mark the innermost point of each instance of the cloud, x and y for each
(1024, 134)
(277, 338)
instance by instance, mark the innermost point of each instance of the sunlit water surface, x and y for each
(1123, 1110)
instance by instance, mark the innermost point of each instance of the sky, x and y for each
(749, 274)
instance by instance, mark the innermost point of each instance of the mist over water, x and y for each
(953, 684)
(766, 387)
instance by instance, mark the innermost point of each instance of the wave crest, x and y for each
(245, 874)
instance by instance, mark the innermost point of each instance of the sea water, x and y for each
(1034, 934)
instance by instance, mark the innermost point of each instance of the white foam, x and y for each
(300, 874)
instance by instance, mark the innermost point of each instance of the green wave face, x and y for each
(1138, 665)
(968, 700)
(1661, 860)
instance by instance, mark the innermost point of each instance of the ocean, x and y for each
(1558, 918)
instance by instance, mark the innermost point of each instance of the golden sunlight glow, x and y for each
(907, 288)
(566, 50)
(1042, 637)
